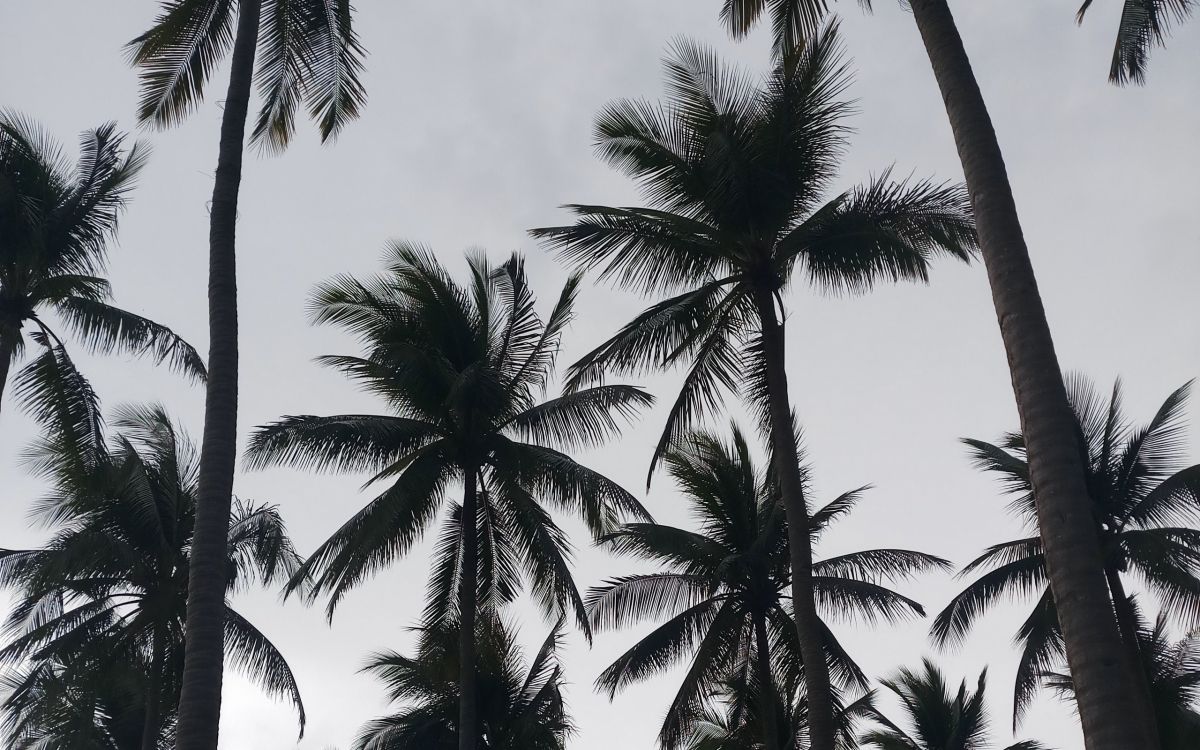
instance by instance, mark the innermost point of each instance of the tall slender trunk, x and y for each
(8, 347)
(1104, 688)
(152, 720)
(1128, 622)
(204, 652)
(468, 695)
(766, 684)
(809, 629)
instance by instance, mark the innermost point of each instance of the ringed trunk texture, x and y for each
(787, 468)
(1105, 689)
(468, 695)
(766, 685)
(152, 722)
(204, 652)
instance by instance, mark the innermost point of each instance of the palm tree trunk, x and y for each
(787, 468)
(152, 722)
(1128, 622)
(1105, 689)
(766, 684)
(200, 699)
(468, 695)
(7, 353)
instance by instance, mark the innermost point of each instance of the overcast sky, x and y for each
(479, 125)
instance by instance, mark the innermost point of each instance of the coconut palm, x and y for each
(736, 176)
(719, 596)
(1145, 501)
(1173, 671)
(939, 719)
(462, 370)
(520, 708)
(1108, 688)
(56, 220)
(108, 592)
(53, 707)
(1144, 24)
(310, 56)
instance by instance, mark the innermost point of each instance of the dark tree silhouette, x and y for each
(1145, 501)
(1108, 688)
(520, 707)
(462, 370)
(105, 600)
(310, 56)
(720, 595)
(736, 176)
(55, 223)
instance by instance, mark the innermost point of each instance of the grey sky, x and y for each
(479, 125)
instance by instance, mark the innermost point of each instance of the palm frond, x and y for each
(884, 230)
(343, 443)
(1021, 577)
(251, 652)
(105, 328)
(177, 54)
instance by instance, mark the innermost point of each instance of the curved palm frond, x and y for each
(107, 593)
(1143, 497)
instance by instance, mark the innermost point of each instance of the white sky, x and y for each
(479, 125)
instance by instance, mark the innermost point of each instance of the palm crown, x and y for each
(720, 581)
(736, 175)
(107, 594)
(939, 719)
(461, 369)
(310, 56)
(521, 707)
(55, 223)
(1143, 497)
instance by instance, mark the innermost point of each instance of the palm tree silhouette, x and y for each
(1109, 688)
(107, 594)
(1144, 501)
(736, 176)
(55, 223)
(1173, 671)
(720, 597)
(462, 370)
(310, 57)
(939, 719)
(520, 708)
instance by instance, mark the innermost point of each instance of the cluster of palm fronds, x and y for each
(736, 176)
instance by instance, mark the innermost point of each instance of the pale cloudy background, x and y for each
(479, 125)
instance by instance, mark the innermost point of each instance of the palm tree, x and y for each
(1108, 688)
(736, 176)
(1144, 502)
(108, 591)
(1144, 24)
(51, 707)
(462, 370)
(55, 222)
(721, 588)
(310, 56)
(939, 719)
(519, 708)
(1173, 672)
